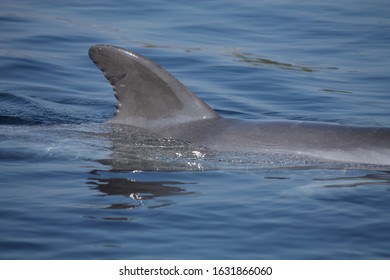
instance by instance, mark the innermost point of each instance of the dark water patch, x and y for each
(11, 120)
(256, 60)
(336, 91)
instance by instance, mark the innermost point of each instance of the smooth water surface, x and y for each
(72, 187)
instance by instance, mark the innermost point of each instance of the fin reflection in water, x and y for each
(132, 193)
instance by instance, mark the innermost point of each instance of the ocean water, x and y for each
(71, 187)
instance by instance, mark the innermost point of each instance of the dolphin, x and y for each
(151, 99)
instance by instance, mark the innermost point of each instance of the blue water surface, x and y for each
(71, 189)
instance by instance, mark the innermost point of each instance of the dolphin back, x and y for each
(147, 95)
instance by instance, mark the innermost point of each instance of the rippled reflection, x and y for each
(376, 179)
(135, 193)
(137, 190)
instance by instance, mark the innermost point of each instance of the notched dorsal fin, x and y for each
(147, 95)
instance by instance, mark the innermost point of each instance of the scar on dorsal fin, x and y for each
(147, 95)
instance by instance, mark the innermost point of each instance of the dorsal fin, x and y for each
(147, 95)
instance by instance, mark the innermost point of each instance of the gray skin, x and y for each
(150, 98)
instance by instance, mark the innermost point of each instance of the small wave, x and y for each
(19, 109)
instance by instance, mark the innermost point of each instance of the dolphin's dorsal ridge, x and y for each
(147, 95)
